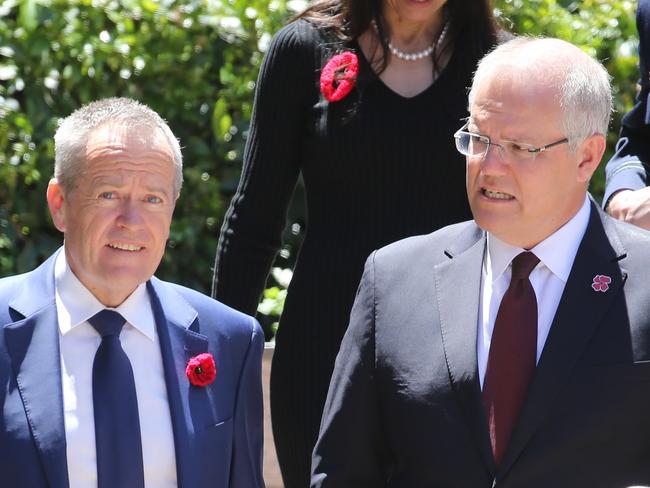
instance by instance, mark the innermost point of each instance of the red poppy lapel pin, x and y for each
(339, 76)
(201, 370)
(601, 283)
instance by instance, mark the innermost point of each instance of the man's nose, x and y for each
(130, 213)
(493, 161)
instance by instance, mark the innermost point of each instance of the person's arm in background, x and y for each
(252, 230)
(627, 196)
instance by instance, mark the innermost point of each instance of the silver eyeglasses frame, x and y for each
(509, 150)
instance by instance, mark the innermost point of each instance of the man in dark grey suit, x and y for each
(513, 350)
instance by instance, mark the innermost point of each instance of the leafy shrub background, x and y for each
(195, 62)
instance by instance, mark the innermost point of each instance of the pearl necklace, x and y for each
(418, 54)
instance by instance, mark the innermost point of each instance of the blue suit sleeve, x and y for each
(628, 168)
(248, 419)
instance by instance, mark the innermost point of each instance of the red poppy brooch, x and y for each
(201, 369)
(339, 76)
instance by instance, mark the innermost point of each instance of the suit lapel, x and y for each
(33, 346)
(578, 316)
(177, 345)
(458, 289)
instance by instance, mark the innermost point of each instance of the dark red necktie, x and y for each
(513, 352)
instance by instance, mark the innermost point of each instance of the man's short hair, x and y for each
(583, 84)
(72, 135)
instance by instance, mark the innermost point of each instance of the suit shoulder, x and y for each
(8, 285)
(8, 288)
(432, 245)
(213, 311)
(634, 239)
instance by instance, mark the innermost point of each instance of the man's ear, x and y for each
(591, 151)
(55, 200)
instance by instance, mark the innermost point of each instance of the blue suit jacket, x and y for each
(217, 429)
(628, 168)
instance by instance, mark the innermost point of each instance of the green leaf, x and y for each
(27, 17)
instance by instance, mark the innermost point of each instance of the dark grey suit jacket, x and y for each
(404, 407)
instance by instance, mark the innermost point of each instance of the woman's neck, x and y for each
(411, 35)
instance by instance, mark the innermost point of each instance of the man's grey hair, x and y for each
(582, 83)
(72, 135)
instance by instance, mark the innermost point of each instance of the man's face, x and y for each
(116, 219)
(523, 202)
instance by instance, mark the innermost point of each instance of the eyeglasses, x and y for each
(476, 146)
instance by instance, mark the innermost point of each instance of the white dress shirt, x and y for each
(556, 254)
(79, 342)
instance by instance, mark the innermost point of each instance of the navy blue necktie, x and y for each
(117, 426)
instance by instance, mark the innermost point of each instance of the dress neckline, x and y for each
(428, 89)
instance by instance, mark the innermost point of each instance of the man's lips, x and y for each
(496, 195)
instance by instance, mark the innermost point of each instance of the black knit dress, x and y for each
(377, 167)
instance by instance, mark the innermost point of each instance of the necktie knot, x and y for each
(523, 265)
(107, 323)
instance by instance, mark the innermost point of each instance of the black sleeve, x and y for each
(628, 168)
(252, 230)
(350, 450)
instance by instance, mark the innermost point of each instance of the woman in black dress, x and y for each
(361, 97)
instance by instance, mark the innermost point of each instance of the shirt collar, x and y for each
(78, 304)
(557, 252)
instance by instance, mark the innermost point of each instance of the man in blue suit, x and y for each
(110, 377)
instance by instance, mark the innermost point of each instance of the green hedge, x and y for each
(195, 63)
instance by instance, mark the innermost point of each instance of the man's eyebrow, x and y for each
(156, 189)
(118, 182)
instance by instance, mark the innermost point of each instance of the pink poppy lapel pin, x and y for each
(201, 370)
(601, 283)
